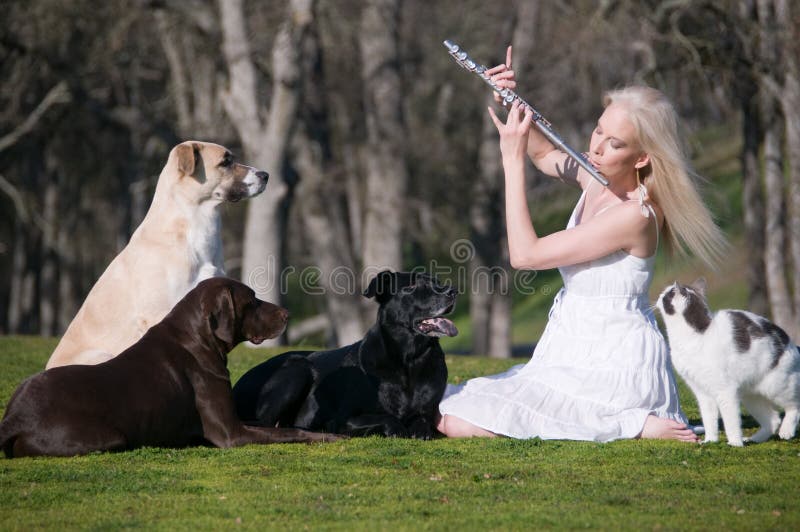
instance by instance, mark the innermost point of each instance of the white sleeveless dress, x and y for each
(600, 368)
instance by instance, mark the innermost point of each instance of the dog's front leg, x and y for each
(221, 426)
(375, 424)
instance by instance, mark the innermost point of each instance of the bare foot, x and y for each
(455, 427)
(666, 429)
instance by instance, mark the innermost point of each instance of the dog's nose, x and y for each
(262, 175)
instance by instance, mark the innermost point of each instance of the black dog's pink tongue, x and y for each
(438, 327)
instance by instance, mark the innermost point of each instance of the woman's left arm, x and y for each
(621, 227)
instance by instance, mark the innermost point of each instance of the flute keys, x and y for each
(453, 47)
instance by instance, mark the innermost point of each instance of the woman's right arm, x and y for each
(549, 160)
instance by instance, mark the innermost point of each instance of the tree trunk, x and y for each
(387, 175)
(321, 200)
(789, 34)
(18, 267)
(350, 157)
(329, 246)
(772, 122)
(67, 297)
(192, 70)
(487, 235)
(490, 307)
(264, 143)
(753, 209)
(746, 90)
(775, 231)
(791, 109)
(48, 274)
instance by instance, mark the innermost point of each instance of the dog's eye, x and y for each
(226, 161)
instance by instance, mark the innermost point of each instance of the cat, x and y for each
(732, 356)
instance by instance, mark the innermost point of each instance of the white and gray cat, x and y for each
(732, 356)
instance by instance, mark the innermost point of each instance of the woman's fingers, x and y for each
(497, 122)
(503, 76)
(519, 119)
(513, 115)
(508, 57)
(496, 70)
(526, 122)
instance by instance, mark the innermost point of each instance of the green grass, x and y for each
(375, 483)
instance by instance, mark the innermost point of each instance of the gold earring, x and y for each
(642, 195)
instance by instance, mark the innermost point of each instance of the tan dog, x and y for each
(176, 246)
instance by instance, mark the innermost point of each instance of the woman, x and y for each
(600, 371)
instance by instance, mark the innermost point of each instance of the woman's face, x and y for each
(613, 148)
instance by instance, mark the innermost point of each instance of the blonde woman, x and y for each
(601, 370)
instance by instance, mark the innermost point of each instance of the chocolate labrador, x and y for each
(169, 389)
(389, 383)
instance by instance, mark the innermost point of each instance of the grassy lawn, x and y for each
(376, 483)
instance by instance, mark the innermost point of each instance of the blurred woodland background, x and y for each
(379, 147)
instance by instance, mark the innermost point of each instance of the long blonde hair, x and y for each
(688, 224)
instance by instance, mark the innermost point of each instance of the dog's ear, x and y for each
(187, 155)
(382, 286)
(223, 317)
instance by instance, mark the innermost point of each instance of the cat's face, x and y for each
(687, 302)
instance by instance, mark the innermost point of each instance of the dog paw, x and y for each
(424, 435)
(395, 432)
(421, 429)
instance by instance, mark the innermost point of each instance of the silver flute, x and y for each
(462, 58)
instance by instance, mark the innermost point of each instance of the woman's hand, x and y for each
(503, 76)
(514, 133)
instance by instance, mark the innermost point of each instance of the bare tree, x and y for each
(777, 95)
(188, 32)
(789, 31)
(490, 301)
(746, 92)
(21, 300)
(387, 175)
(264, 140)
(322, 201)
(773, 127)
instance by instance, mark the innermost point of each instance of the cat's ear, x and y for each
(700, 285)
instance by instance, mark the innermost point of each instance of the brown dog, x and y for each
(170, 389)
(176, 246)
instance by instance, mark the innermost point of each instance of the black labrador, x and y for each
(170, 389)
(389, 383)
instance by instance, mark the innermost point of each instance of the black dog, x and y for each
(170, 389)
(390, 383)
